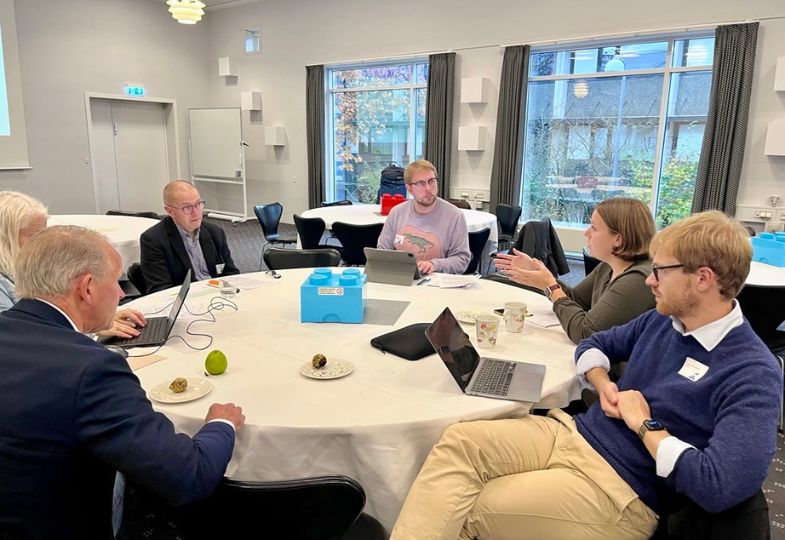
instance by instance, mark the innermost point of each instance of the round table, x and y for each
(765, 275)
(123, 232)
(377, 424)
(366, 214)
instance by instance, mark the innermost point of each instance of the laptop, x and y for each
(476, 376)
(390, 266)
(157, 330)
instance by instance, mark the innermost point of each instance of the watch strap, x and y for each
(551, 289)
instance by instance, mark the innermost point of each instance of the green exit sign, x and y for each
(134, 90)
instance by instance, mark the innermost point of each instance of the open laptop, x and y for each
(476, 376)
(157, 330)
(390, 266)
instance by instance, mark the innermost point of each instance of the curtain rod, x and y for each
(563, 41)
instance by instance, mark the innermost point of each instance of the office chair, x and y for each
(280, 259)
(589, 262)
(136, 278)
(354, 238)
(477, 241)
(507, 221)
(269, 216)
(150, 215)
(344, 202)
(317, 508)
(310, 231)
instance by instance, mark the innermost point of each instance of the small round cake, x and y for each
(319, 361)
(179, 385)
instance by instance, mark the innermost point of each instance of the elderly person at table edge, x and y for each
(615, 292)
(182, 241)
(72, 412)
(21, 217)
(427, 225)
(695, 413)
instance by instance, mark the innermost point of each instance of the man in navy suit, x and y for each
(182, 241)
(72, 413)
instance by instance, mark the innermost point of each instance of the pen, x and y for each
(424, 280)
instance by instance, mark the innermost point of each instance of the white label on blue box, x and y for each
(330, 291)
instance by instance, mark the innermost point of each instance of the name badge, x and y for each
(219, 268)
(693, 370)
(398, 240)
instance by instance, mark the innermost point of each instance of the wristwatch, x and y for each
(551, 289)
(650, 425)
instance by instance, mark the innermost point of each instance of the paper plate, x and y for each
(335, 369)
(197, 388)
(468, 317)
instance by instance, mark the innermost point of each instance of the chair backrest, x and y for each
(280, 259)
(507, 218)
(136, 278)
(344, 202)
(764, 308)
(150, 215)
(269, 216)
(310, 231)
(477, 241)
(589, 262)
(318, 508)
(354, 238)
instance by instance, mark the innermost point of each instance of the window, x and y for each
(253, 40)
(616, 120)
(375, 116)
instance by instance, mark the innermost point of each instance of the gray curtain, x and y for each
(314, 118)
(438, 116)
(722, 154)
(508, 149)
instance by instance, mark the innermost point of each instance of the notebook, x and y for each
(480, 376)
(157, 330)
(391, 267)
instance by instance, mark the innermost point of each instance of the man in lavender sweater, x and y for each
(695, 413)
(428, 226)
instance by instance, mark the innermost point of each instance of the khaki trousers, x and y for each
(531, 478)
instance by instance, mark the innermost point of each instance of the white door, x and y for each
(129, 146)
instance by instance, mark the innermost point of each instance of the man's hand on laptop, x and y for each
(226, 411)
(125, 324)
(425, 267)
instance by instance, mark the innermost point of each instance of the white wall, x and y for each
(69, 48)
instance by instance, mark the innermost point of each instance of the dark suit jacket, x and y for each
(71, 413)
(165, 261)
(538, 239)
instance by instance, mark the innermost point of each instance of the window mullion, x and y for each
(661, 128)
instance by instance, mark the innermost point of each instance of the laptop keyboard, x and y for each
(493, 377)
(152, 332)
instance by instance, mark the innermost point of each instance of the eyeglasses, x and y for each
(656, 269)
(189, 209)
(431, 182)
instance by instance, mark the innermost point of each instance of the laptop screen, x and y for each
(178, 302)
(454, 347)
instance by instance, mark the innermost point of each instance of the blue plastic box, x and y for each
(769, 248)
(333, 297)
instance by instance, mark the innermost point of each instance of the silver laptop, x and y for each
(476, 376)
(391, 267)
(157, 329)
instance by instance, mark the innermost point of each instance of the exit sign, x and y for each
(134, 90)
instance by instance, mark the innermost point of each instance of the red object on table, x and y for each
(389, 201)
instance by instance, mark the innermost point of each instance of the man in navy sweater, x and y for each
(695, 413)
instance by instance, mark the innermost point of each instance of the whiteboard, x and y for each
(216, 143)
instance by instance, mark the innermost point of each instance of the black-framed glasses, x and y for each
(189, 209)
(656, 269)
(422, 183)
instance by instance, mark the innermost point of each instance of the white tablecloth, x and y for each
(123, 232)
(376, 425)
(365, 214)
(766, 275)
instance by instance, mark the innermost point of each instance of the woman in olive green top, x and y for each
(615, 292)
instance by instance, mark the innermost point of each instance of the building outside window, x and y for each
(615, 120)
(375, 117)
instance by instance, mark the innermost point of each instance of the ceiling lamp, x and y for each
(186, 11)
(580, 89)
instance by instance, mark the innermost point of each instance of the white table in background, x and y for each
(376, 425)
(366, 214)
(765, 275)
(123, 232)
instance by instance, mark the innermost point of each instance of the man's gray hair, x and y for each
(48, 264)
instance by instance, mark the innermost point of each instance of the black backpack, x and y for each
(391, 181)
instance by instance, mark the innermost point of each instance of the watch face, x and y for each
(653, 425)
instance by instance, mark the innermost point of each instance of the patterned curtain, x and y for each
(508, 149)
(314, 118)
(719, 168)
(438, 116)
